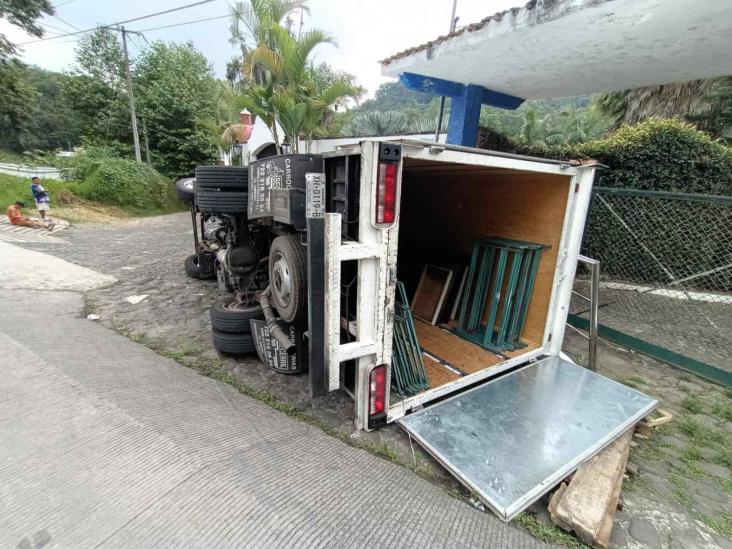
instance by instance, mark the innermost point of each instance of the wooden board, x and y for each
(587, 504)
(459, 352)
(446, 213)
(437, 374)
(428, 300)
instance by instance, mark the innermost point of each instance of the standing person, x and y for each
(17, 218)
(40, 195)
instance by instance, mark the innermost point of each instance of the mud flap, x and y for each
(271, 352)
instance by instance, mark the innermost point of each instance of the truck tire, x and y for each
(191, 266)
(213, 201)
(233, 344)
(288, 278)
(229, 317)
(223, 177)
(184, 189)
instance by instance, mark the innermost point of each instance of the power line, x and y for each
(184, 23)
(63, 3)
(66, 23)
(119, 22)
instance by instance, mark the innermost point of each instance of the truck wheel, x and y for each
(223, 177)
(191, 266)
(213, 201)
(288, 278)
(184, 189)
(233, 344)
(230, 317)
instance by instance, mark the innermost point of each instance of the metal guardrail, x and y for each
(30, 171)
(594, 301)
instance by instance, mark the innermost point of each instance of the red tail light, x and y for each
(377, 390)
(386, 193)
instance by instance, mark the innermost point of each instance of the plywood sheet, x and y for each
(447, 213)
(460, 353)
(437, 374)
(433, 284)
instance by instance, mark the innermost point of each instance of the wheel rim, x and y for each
(232, 304)
(281, 280)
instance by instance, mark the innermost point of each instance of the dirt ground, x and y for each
(682, 496)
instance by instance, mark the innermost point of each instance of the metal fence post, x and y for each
(594, 301)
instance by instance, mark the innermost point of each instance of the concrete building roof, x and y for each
(557, 48)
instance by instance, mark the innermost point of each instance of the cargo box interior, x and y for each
(445, 209)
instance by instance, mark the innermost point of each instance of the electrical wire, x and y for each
(63, 3)
(66, 23)
(118, 22)
(184, 23)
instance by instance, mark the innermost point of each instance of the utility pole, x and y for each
(453, 22)
(133, 115)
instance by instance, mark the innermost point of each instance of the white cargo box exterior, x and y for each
(551, 196)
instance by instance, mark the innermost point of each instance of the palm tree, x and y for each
(252, 23)
(376, 123)
(297, 103)
(698, 101)
(226, 112)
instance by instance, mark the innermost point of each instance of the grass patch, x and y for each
(680, 490)
(722, 409)
(721, 522)
(728, 392)
(700, 433)
(652, 449)
(723, 457)
(66, 202)
(634, 382)
(90, 306)
(636, 483)
(546, 533)
(692, 404)
(690, 458)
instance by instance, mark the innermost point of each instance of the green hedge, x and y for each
(662, 155)
(656, 155)
(123, 182)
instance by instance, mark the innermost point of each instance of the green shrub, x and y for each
(662, 155)
(124, 182)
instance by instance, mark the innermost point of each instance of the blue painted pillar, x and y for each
(462, 129)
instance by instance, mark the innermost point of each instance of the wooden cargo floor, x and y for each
(456, 357)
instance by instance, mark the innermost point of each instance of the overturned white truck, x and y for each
(432, 283)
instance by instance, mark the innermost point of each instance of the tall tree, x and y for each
(24, 14)
(175, 88)
(16, 97)
(97, 90)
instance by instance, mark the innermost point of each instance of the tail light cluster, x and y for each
(377, 390)
(386, 184)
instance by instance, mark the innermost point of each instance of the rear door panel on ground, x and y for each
(512, 439)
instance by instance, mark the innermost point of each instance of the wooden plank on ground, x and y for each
(586, 506)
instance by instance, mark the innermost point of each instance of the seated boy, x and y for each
(17, 218)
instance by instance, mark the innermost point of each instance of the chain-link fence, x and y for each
(666, 271)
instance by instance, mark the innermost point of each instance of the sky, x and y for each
(366, 31)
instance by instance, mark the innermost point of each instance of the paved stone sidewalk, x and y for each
(106, 443)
